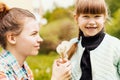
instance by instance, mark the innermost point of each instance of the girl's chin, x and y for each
(35, 53)
(90, 35)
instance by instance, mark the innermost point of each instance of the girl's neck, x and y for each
(20, 58)
(93, 41)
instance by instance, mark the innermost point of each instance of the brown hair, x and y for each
(87, 7)
(11, 20)
(91, 7)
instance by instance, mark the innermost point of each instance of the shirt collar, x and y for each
(14, 65)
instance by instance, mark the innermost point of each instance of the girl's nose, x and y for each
(92, 22)
(40, 39)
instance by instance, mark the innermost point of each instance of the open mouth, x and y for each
(91, 27)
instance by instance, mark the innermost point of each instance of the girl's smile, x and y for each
(91, 24)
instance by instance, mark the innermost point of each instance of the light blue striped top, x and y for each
(105, 60)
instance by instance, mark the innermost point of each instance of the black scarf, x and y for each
(90, 43)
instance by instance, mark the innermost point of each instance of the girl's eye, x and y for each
(34, 34)
(86, 16)
(97, 16)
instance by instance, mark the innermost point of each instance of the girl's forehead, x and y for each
(90, 14)
(30, 23)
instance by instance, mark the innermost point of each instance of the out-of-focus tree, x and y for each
(58, 13)
(113, 5)
(114, 27)
(55, 32)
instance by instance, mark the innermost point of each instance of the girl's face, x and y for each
(28, 42)
(91, 24)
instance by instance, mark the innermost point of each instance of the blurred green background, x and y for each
(62, 26)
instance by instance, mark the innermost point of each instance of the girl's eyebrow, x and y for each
(34, 31)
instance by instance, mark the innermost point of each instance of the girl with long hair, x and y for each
(94, 55)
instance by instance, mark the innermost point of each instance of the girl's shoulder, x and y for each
(73, 40)
(2, 65)
(112, 40)
(5, 60)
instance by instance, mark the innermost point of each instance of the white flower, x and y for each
(63, 48)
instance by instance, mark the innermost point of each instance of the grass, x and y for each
(41, 65)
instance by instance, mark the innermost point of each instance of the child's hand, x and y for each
(61, 61)
(61, 70)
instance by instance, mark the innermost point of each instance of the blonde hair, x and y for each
(87, 7)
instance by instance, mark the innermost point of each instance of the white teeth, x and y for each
(91, 27)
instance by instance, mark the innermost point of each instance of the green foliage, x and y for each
(58, 13)
(113, 5)
(57, 31)
(114, 27)
(0, 49)
(41, 65)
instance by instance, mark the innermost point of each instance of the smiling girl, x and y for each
(94, 55)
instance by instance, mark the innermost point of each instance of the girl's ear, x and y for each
(105, 19)
(76, 18)
(11, 38)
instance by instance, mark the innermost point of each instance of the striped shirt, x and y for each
(11, 70)
(105, 60)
